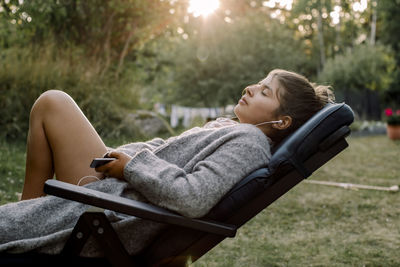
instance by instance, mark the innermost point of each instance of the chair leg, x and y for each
(97, 225)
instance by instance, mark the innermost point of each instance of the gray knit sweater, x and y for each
(188, 174)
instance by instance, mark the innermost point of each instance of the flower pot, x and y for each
(393, 131)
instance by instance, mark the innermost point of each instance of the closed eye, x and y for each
(266, 90)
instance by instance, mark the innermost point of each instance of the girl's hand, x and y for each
(116, 167)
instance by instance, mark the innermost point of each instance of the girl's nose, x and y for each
(249, 90)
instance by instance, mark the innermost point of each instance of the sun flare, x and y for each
(202, 7)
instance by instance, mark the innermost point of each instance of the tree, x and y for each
(213, 65)
(330, 27)
(388, 33)
(365, 72)
(107, 30)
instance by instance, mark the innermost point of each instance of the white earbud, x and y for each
(268, 122)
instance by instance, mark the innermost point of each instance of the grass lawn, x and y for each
(318, 225)
(312, 225)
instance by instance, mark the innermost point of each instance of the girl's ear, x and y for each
(285, 123)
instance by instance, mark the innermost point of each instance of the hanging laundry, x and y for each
(188, 114)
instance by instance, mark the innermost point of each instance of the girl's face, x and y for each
(259, 102)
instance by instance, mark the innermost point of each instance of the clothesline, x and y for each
(188, 114)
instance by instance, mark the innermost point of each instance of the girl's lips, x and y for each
(242, 101)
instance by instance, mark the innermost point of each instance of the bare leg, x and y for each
(61, 140)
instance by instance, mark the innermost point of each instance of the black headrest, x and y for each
(305, 141)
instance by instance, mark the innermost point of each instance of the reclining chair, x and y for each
(186, 239)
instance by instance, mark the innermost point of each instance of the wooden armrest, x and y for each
(133, 207)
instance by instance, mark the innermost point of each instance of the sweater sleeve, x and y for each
(194, 193)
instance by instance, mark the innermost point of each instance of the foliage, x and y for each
(364, 67)
(12, 170)
(390, 24)
(360, 76)
(389, 34)
(106, 30)
(392, 116)
(77, 46)
(211, 67)
(26, 72)
(154, 51)
(329, 26)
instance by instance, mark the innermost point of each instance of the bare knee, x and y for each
(53, 97)
(49, 101)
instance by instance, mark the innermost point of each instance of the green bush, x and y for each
(26, 72)
(363, 67)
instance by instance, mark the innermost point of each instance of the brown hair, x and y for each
(299, 98)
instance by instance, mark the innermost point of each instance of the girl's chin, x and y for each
(237, 113)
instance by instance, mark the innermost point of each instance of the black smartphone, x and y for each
(97, 162)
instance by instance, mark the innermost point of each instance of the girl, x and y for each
(188, 173)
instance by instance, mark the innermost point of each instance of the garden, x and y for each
(120, 59)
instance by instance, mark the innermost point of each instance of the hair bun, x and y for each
(324, 93)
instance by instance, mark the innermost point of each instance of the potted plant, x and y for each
(393, 123)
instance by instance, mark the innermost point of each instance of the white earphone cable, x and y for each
(87, 176)
(268, 122)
